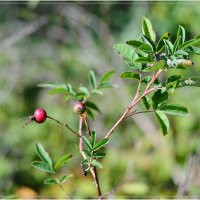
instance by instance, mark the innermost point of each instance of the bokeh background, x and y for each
(61, 42)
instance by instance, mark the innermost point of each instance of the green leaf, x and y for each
(43, 155)
(159, 97)
(62, 161)
(158, 65)
(92, 79)
(148, 41)
(43, 166)
(194, 82)
(193, 49)
(126, 52)
(144, 60)
(175, 109)
(90, 113)
(134, 43)
(58, 91)
(169, 46)
(181, 34)
(192, 42)
(51, 181)
(130, 75)
(146, 48)
(107, 76)
(84, 90)
(87, 143)
(103, 85)
(96, 164)
(181, 52)
(176, 44)
(147, 102)
(65, 178)
(93, 138)
(50, 85)
(92, 106)
(161, 43)
(99, 154)
(172, 82)
(147, 29)
(87, 152)
(163, 121)
(96, 92)
(85, 162)
(100, 144)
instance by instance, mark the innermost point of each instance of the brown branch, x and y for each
(135, 100)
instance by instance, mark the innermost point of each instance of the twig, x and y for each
(135, 113)
(135, 100)
(66, 125)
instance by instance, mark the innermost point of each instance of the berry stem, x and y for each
(66, 125)
(86, 123)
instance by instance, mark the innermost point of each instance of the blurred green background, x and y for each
(61, 42)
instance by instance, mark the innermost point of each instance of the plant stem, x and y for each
(135, 100)
(66, 125)
(86, 124)
(93, 169)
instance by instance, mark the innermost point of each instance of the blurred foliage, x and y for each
(61, 42)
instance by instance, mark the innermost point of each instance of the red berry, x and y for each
(40, 115)
(79, 108)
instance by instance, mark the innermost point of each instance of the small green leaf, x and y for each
(192, 42)
(194, 82)
(130, 75)
(159, 97)
(181, 34)
(90, 113)
(51, 181)
(50, 85)
(146, 48)
(84, 90)
(96, 92)
(172, 82)
(100, 144)
(95, 163)
(92, 106)
(134, 43)
(163, 121)
(144, 60)
(103, 85)
(87, 152)
(193, 49)
(158, 65)
(176, 44)
(147, 102)
(93, 138)
(62, 161)
(43, 166)
(92, 79)
(169, 46)
(43, 155)
(148, 41)
(107, 76)
(65, 178)
(161, 43)
(99, 154)
(147, 29)
(181, 52)
(85, 162)
(87, 143)
(175, 109)
(126, 52)
(58, 91)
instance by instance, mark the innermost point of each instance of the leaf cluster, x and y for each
(45, 164)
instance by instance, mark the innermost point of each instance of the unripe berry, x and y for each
(79, 108)
(40, 115)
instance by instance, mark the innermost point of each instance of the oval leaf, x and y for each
(92, 106)
(134, 43)
(43, 155)
(163, 121)
(161, 43)
(100, 144)
(107, 76)
(96, 164)
(62, 161)
(87, 143)
(65, 178)
(92, 79)
(175, 109)
(147, 29)
(43, 166)
(51, 181)
(130, 75)
(158, 65)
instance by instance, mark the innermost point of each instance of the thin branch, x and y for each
(135, 113)
(66, 125)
